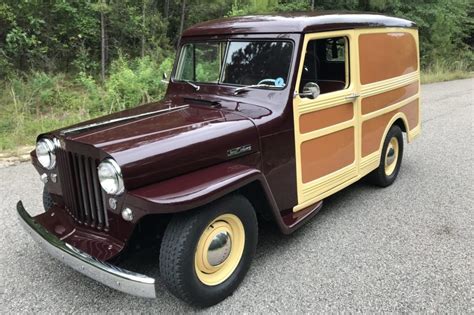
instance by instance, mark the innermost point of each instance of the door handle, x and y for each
(352, 97)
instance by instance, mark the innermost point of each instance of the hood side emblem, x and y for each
(239, 150)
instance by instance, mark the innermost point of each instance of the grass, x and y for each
(442, 71)
(432, 77)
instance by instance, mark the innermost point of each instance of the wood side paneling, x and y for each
(326, 117)
(386, 55)
(324, 155)
(379, 101)
(373, 129)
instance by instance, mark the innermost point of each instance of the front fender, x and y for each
(196, 189)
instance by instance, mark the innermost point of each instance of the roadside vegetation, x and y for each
(66, 61)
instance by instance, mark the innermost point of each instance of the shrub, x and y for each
(134, 82)
(38, 102)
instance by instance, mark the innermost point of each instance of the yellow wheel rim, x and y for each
(391, 156)
(219, 249)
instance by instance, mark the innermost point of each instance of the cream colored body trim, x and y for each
(320, 188)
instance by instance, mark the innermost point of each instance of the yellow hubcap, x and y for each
(219, 249)
(391, 156)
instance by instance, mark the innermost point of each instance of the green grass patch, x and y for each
(444, 71)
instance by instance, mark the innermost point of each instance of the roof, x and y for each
(295, 23)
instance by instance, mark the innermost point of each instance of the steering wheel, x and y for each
(272, 81)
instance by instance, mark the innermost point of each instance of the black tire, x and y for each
(379, 176)
(179, 246)
(47, 200)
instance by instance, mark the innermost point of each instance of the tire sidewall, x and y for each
(387, 180)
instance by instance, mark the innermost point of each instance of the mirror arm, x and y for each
(308, 94)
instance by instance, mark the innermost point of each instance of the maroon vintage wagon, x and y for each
(264, 117)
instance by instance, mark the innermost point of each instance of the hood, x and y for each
(169, 141)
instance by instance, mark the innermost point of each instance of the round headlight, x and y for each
(45, 153)
(110, 177)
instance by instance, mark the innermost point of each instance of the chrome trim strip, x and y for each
(108, 122)
(110, 275)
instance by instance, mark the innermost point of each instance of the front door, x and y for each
(326, 128)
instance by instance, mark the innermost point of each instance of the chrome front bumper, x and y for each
(112, 276)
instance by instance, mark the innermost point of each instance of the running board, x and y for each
(293, 220)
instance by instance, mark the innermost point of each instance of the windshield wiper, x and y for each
(243, 88)
(195, 86)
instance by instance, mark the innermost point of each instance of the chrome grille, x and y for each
(83, 197)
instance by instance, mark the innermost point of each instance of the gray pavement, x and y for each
(406, 248)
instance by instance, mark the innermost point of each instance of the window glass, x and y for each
(335, 49)
(325, 64)
(258, 62)
(200, 62)
(247, 63)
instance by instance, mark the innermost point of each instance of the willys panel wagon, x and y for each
(264, 117)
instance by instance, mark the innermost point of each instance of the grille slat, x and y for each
(97, 193)
(78, 204)
(68, 194)
(104, 205)
(64, 174)
(90, 193)
(83, 196)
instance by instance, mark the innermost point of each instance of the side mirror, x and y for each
(165, 79)
(310, 90)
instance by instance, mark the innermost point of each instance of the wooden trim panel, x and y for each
(386, 55)
(324, 155)
(382, 100)
(326, 117)
(373, 129)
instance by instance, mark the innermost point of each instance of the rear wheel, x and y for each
(206, 253)
(390, 160)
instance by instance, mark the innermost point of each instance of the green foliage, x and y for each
(37, 101)
(134, 82)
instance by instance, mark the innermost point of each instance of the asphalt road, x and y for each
(406, 248)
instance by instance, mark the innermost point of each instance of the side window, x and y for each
(325, 63)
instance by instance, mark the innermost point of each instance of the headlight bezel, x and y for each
(110, 164)
(50, 147)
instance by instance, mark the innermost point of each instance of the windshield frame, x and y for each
(227, 40)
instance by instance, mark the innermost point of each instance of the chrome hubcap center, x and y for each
(219, 249)
(390, 155)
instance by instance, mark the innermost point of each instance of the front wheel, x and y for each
(390, 160)
(206, 253)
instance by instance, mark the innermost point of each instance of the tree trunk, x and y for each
(312, 5)
(167, 8)
(102, 46)
(183, 16)
(364, 5)
(143, 28)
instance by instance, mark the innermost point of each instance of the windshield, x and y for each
(240, 63)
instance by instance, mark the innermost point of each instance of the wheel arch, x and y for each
(182, 194)
(400, 120)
